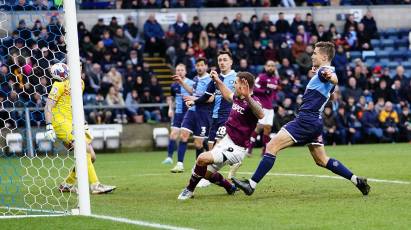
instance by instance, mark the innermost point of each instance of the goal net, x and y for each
(32, 38)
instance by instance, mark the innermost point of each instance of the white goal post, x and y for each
(80, 154)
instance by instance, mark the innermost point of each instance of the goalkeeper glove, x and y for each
(50, 134)
(87, 131)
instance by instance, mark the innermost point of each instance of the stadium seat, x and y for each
(106, 136)
(43, 145)
(368, 54)
(406, 64)
(15, 142)
(370, 62)
(382, 54)
(387, 43)
(98, 141)
(375, 43)
(355, 54)
(112, 139)
(384, 62)
(393, 64)
(160, 137)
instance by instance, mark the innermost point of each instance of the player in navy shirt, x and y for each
(196, 119)
(242, 120)
(307, 127)
(182, 87)
(221, 107)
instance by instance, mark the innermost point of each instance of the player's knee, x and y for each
(198, 144)
(202, 159)
(272, 148)
(321, 162)
(184, 136)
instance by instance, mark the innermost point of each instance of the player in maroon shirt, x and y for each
(243, 118)
(265, 88)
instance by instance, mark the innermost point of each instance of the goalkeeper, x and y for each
(58, 117)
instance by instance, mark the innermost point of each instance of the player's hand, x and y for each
(327, 73)
(50, 134)
(87, 131)
(244, 88)
(214, 76)
(177, 79)
(189, 103)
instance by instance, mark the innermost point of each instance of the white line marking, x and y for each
(30, 216)
(140, 223)
(329, 177)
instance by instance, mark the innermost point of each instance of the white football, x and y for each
(59, 71)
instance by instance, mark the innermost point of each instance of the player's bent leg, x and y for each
(321, 159)
(280, 141)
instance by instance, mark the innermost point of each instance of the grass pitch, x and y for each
(148, 192)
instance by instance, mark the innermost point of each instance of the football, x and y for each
(59, 71)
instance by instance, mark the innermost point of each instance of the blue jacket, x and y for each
(370, 119)
(153, 30)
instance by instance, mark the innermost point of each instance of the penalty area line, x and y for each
(139, 222)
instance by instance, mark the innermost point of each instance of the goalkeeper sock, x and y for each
(182, 147)
(171, 147)
(71, 178)
(338, 168)
(92, 175)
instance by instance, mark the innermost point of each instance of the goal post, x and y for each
(73, 60)
(31, 167)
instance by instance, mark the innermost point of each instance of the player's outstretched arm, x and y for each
(226, 92)
(245, 91)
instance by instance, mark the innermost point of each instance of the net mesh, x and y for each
(31, 168)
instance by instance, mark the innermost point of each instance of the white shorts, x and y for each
(268, 118)
(226, 152)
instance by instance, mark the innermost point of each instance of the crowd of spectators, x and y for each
(115, 73)
(26, 5)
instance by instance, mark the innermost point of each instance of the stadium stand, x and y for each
(119, 59)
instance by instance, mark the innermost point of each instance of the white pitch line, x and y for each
(329, 177)
(140, 223)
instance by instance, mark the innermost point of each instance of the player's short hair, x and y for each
(201, 59)
(249, 77)
(181, 64)
(327, 48)
(222, 52)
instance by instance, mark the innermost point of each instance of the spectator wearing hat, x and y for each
(282, 25)
(131, 30)
(309, 25)
(224, 30)
(405, 124)
(297, 21)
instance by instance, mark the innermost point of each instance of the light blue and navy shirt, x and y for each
(221, 108)
(178, 92)
(199, 88)
(316, 94)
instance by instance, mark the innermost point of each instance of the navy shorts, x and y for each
(217, 129)
(305, 130)
(197, 123)
(177, 120)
